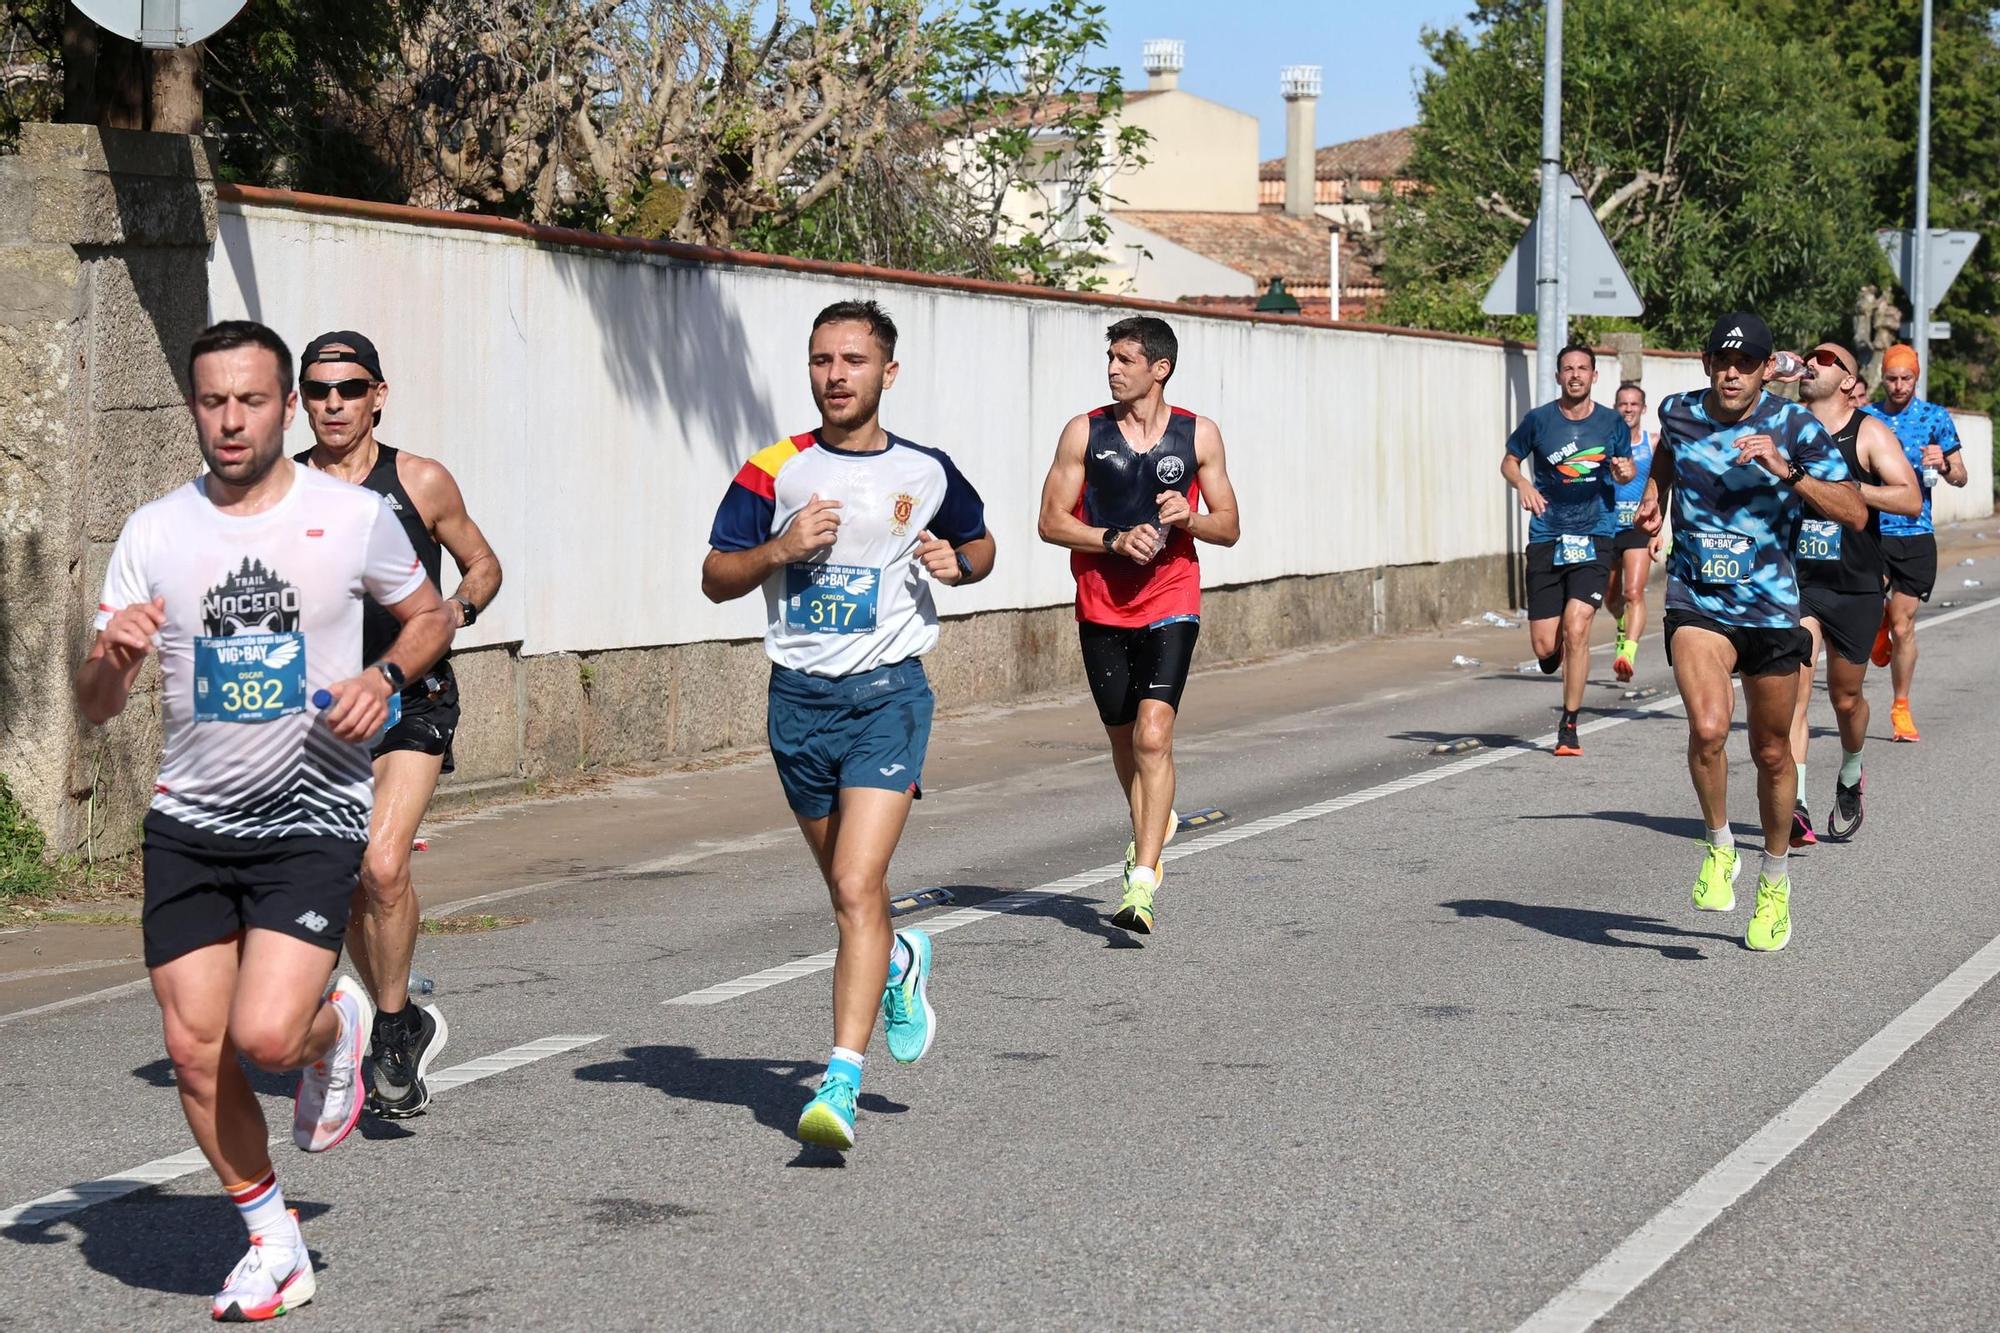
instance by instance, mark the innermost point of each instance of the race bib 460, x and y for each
(1721, 557)
(249, 677)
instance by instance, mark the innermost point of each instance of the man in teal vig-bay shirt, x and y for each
(1577, 452)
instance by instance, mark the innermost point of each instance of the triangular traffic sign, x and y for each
(1598, 283)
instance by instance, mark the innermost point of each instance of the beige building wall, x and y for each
(1203, 156)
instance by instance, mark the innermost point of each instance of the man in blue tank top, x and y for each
(1578, 450)
(1632, 550)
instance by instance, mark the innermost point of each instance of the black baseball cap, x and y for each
(1740, 331)
(342, 345)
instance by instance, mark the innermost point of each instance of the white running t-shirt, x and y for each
(262, 611)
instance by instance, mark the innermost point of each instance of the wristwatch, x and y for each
(1796, 475)
(964, 566)
(1111, 536)
(393, 674)
(470, 611)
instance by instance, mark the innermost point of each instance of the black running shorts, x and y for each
(1759, 652)
(1631, 539)
(430, 718)
(1912, 564)
(203, 887)
(1552, 587)
(1124, 666)
(1847, 620)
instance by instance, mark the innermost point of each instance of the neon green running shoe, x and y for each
(1132, 848)
(828, 1119)
(1771, 924)
(1135, 912)
(1715, 889)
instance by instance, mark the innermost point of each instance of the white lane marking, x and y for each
(1020, 898)
(108, 993)
(63, 969)
(1647, 1250)
(90, 1193)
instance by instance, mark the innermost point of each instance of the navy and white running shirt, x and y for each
(1736, 527)
(864, 602)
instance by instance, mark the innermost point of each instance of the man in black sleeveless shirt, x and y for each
(1841, 577)
(340, 381)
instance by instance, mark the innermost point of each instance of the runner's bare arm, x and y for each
(727, 575)
(1882, 454)
(438, 499)
(1218, 525)
(1058, 524)
(104, 679)
(361, 702)
(1532, 499)
(1653, 501)
(940, 558)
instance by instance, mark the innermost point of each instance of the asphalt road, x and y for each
(1413, 1059)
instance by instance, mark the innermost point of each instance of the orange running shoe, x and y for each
(1900, 719)
(1883, 645)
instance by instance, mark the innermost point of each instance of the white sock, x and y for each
(1774, 867)
(1145, 875)
(1722, 837)
(1850, 767)
(1802, 780)
(846, 1064)
(261, 1205)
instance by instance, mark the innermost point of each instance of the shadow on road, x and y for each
(774, 1091)
(181, 1244)
(1083, 915)
(1680, 826)
(160, 1074)
(1488, 740)
(1591, 927)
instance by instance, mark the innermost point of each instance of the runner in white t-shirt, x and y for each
(249, 581)
(845, 528)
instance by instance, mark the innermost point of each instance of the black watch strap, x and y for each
(1796, 475)
(465, 606)
(1111, 536)
(964, 566)
(393, 674)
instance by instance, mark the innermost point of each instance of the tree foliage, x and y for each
(1723, 161)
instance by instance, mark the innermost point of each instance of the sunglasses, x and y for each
(349, 390)
(1831, 360)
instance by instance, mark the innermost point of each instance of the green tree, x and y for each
(1725, 162)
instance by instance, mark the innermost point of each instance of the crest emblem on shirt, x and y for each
(905, 506)
(1170, 469)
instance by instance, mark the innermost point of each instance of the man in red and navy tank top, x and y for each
(340, 379)
(1134, 486)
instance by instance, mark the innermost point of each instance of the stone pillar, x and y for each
(1631, 349)
(104, 240)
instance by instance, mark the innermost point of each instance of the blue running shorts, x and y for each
(865, 730)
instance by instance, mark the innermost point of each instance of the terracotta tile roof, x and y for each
(1263, 245)
(1378, 157)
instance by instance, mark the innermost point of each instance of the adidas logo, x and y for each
(312, 921)
(1736, 332)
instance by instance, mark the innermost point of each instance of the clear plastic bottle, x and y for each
(1790, 366)
(421, 986)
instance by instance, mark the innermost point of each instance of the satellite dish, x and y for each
(162, 24)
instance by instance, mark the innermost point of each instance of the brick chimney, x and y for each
(1300, 85)
(1164, 58)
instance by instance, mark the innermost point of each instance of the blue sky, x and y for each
(1235, 48)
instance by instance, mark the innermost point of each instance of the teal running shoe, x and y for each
(828, 1119)
(908, 1021)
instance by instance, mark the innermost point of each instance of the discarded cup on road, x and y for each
(1972, 583)
(1461, 660)
(1967, 561)
(1499, 621)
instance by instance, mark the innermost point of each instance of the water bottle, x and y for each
(1790, 366)
(323, 699)
(1931, 477)
(421, 986)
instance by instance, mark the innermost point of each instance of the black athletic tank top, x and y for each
(1858, 568)
(1120, 484)
(378, 627)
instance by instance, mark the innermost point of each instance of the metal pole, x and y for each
(1920, 297)
(1548, 339)
(1563, 207)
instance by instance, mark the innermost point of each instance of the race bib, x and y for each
(1720, 557)
(1628, 513)
(831, 599)
(1819, 539)
(1571, 550)
(249, 677)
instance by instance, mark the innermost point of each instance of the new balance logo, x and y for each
(892, 770)
(312, 921)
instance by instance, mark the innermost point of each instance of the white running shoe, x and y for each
(330, 1091)
(266, 1282)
